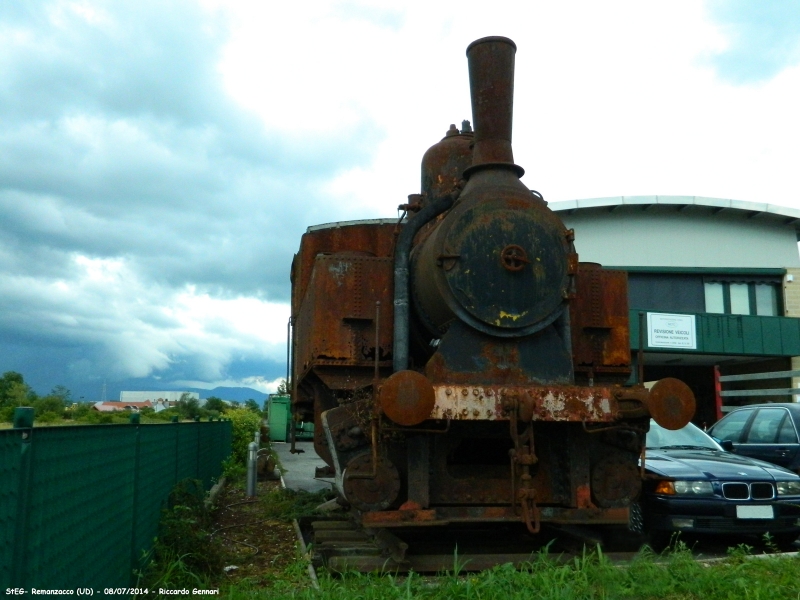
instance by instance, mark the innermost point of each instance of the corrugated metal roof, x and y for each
(350, 223)
(788, 216)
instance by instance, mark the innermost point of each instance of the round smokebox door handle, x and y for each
(514, 258)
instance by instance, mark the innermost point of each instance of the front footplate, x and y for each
(440, 516)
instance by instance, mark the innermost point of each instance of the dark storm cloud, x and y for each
(119, 144)
(118, 138)
(764, 38)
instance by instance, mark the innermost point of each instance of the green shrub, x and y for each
(245, 423)
(48, 417)
(166, 414)
(81, 410)
(48, 404)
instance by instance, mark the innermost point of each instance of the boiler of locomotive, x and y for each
(500, 260)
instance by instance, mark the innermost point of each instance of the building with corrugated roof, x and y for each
(715, 283)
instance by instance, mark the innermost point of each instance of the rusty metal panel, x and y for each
(599, 321)
(366, 239)
(336, 321)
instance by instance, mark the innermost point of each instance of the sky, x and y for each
(159, 161)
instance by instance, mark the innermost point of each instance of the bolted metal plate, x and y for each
(407, 398)
(671, 403)
(370, 493)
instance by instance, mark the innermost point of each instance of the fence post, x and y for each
(23, 422)
(197, 469)
(252, 460)
(136, 478)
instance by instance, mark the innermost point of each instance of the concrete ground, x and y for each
(298, 469)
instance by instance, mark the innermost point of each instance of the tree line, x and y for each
(15, 392)
(58, 405)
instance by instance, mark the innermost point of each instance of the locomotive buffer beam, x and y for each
(409, 398)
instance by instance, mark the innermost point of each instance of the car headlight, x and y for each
(685, 488)
(788, 488)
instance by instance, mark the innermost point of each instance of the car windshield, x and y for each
(685, 438)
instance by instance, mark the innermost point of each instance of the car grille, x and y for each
(760, 490)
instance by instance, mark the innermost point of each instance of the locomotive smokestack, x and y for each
(491, 81)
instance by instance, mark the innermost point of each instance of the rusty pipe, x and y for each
(402, 252)
(491, 81)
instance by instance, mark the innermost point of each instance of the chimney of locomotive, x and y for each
(491, 82)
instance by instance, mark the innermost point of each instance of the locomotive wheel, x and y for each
(368, 493)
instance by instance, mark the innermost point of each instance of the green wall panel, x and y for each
(710, 331)
(771, 333)
(736, 334)
(80, 505)
(80, 475)
(790, 336)
(11, 452)
(157, 467)
(752, 334)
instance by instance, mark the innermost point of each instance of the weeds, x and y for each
(185, 553)
(284, 504)
(185, 557)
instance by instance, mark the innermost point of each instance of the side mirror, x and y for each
(727, 445)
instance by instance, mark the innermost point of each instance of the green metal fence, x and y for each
(80, 504)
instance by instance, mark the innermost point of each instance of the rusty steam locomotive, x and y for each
(460, 365)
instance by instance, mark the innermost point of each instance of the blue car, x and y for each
(692, 485)
(763, 431)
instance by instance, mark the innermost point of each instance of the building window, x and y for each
(741, 298)
(766, 300)
(715, 297)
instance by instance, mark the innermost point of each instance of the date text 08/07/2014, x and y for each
(108, 592)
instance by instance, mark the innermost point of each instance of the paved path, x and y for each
(298, 469)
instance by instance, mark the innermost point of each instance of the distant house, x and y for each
(129, 397)
(117, 406)
(157, 405)
(160, 404)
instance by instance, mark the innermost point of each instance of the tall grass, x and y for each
(672, 576)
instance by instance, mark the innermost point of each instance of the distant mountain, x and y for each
(112, 391)
(235, 394)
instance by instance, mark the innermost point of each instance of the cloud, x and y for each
(763, 38)
(148, 221)
(159, 162)
(105, 314)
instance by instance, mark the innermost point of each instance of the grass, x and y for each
(672, 576)
(285, 505)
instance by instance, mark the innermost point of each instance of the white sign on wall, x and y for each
(671, 331)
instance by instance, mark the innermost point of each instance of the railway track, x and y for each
(340, 545)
